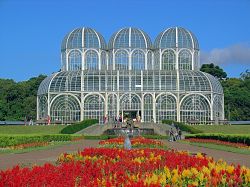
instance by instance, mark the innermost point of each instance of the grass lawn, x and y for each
(227, 129)
(220, 147)
(36, 129)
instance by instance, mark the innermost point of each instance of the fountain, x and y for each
(130, 129)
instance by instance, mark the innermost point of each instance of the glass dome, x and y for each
(83, 38)
(130, 38)
(176, 37)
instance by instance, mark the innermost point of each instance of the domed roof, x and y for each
(83, 38)
(130, 38)
(176, 37)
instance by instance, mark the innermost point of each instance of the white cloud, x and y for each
(239, 53)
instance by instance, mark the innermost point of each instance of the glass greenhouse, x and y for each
(130, 76)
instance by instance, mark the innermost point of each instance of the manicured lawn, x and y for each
(36, 129)
(220, 147)
(227, 129)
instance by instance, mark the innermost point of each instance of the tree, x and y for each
(213, 70)
(18, 99)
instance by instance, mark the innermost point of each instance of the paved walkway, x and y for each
(42, 156)
(229, 157)
(51, 155)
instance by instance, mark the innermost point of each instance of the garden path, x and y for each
(39, 157)
(229, 157)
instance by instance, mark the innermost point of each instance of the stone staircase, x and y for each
(95, 130)
(98, 129)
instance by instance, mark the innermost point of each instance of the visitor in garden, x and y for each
(171, 135)
(179, 133)
(31, 122)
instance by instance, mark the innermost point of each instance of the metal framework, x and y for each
(159, 81)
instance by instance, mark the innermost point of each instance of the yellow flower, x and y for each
(195, 183)
(194, 171)
(186, 173)
(199, 155)
(205, 170)
(174, 179)
(230, 169)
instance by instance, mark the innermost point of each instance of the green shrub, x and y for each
(234, 138)
(12, 140)
(102, 137)
(71, 129)
(155, 136)
(182, 126)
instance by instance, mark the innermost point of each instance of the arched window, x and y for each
(150, 60)
(112, 106)
(121, 60)
(103, 60)
(218, 108)
(42, 106)
(130, 102)
(63, 64)
(138, 60)
(196, 60)
(75, 60)
(94, 107)
(148, 108)
(165, 108)
(65, 108)
(185, 60)
(195, 108)
(91, 60)
(168, 60)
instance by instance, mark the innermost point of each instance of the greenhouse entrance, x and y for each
(131, 114)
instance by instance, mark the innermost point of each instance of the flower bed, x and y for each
(218, 142)
(24, 141)
(136, 167)
(136, 142)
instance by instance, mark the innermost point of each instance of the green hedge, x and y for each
(12, 140)
(182, 126)
(71, 129)
(234, 138)
(155, 136)
(102, 137)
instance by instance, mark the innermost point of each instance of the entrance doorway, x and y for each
(132, 114)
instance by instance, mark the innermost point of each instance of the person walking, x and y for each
(171, 135)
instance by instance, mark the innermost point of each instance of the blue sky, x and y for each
(31, 31)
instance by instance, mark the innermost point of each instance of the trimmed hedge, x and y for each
(102, 137)
(182, 126)
(234, 138)
(12, 140)
(155, 137)
(71, 129)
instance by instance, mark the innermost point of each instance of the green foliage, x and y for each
(216, 71)
(160, 137)
(71, 129)
(224, 129)
(182, 126)
(12, 140)
(102, 137)
(34, 129)
(234, 138)
(18, 99)
(237, 97)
